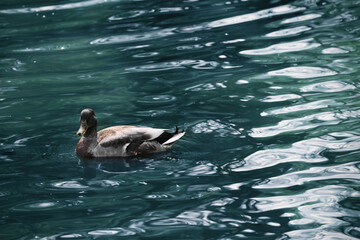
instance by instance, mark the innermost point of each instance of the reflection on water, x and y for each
(303, 72)
(55, 7)
(283, 48)
(266, 90)
(281, 10)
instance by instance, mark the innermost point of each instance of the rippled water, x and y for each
(268, 92)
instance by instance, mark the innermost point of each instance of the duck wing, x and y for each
(121, 135)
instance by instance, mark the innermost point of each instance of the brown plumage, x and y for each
(121, 141)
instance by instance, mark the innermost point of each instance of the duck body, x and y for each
(121, 141)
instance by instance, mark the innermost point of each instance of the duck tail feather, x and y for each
(174, 138)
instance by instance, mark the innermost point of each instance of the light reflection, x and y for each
(288, 31)
(154, 187)
(202, 170)
(223, 202)
(234, 41)
(344, 171)
(329, 86)
(302, 107)
(118, 231)
(163, 66)
(297, 124)
(130, 14)
(127, 38)
(202, 217)
(285, 9)
(284, 48)
(56, 7)
(42, 205)
(280, 98)
(184, 219)
(301, 18)
(212, 126)
(304, 151)
(240, 82)
(271, 157)
(303, 72)
(320, 233)
(334, 50)
(104, 183)
(23, 141)
(309, 202)
(69, 184)
(73, 235)
(301, 222)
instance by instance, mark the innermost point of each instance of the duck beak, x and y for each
(82, 129)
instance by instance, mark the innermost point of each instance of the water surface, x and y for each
(267, 91)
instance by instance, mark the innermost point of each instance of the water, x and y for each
(268, 92)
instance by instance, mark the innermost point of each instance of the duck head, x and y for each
(88, 122)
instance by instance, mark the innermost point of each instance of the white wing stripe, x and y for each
(174, 138)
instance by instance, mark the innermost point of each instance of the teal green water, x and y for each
(268, 92)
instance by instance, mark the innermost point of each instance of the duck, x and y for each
(121, 141)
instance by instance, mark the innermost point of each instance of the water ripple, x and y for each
(305, 17)
(202, 170)
(158, 99)
(303, 72)
(215, 126)
(37, 206)
(70, 185)
(127, 15)
(191, 218)
(118, 231)
(302, 107)
(164, 66)
(334, 50)
(304, 151)
(281, 98)
(297, 124)
(285, 9)
(346, 171)
(267, 91)
(67, 6)
(128, 38)
(284, 48)
(327, 195)
(318, 205)
(329, 86)
(288, 32)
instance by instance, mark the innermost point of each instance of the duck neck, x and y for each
(91, 133)
(90, 137)
(87, 143)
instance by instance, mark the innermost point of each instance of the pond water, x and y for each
(267, 91)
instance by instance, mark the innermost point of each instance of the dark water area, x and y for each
(267, 91)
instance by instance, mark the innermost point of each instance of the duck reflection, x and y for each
(118, 165)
